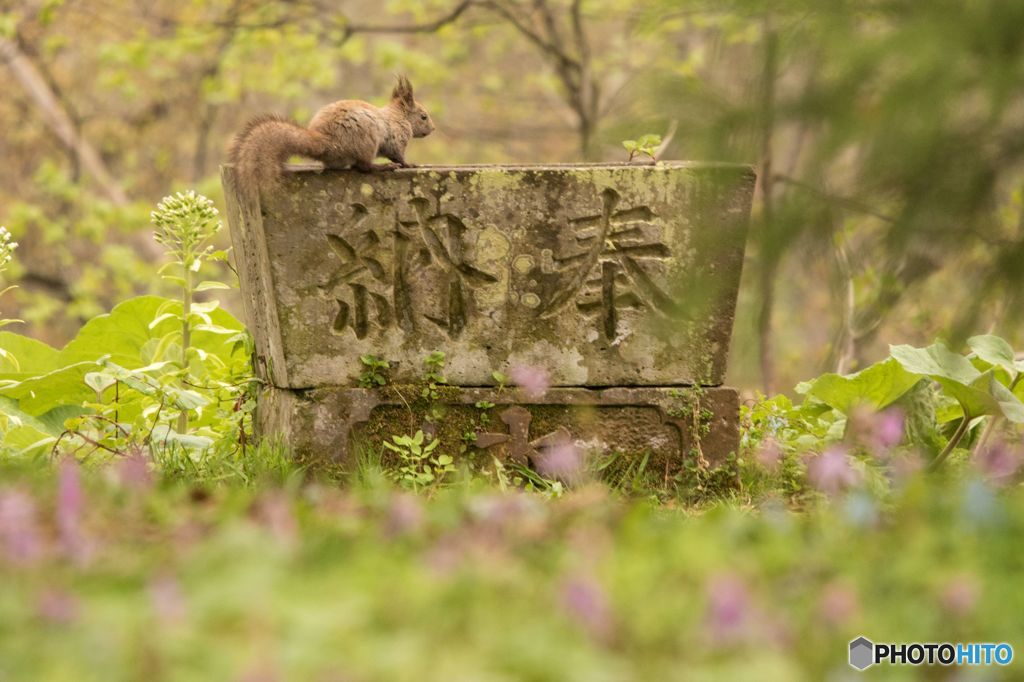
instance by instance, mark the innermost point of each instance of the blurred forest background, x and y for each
(888, 137)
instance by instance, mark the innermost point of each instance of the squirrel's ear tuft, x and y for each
(403, 91)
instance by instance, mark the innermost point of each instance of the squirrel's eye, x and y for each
(423, 116)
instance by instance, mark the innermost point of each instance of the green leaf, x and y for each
(214, 329)
(99, 381)
(126, 330)
(444, 460)
(50, 422)
(877, 386)
(985, 396)
(164, 434)
(64, 386)
(27, 440)
(32, 356)
(995, 351)
(160, 318)
(209, 284)
(978, 393)
(206, 307)
(649, 141)
(935, 361)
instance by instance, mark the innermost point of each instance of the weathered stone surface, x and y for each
(673, 426)
(607, 275)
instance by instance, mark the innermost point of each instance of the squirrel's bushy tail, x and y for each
(265, 143)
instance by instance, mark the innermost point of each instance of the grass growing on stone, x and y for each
(116, 572)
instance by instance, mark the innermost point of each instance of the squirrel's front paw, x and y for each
(406, 164)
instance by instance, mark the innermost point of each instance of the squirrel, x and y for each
(349, 133)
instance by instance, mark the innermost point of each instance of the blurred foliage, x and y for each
(887, 135)
(110, 574)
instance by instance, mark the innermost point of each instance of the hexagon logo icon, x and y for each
(862, 653)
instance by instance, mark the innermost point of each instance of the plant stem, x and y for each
(186, 333)
(953, 442)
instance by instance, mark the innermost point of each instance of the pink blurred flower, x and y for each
(888, 429)
(19, 528)
(57, 606)
(837, 604)
(405, 514)
(879, 432)
(586, 603)
(959, 595)
(534, 381)
(70, 505)
(998, 462)
(728, 609)
(274, 512)
(133, 472)
(769, 455)
(830, 472)
(258, 675)
(167, 598)
(562, 462)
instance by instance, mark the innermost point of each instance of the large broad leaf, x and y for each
(51, 421)
(985, 395)
(978, 393)
(127, 330)
(27, 440)
(877, 386)
(935, 361)
(31, 357)
(125, 339)
(995, 351)
(65, 386)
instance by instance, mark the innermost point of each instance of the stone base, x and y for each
(673, 427)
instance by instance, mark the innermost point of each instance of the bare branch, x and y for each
(842, 202)
(57, 118)
(428, 27)
(667, 140)
(532, 35)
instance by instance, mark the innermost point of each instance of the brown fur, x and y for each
(345, 134)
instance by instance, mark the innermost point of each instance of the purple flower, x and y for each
(534, 381)
(830, 472)
(405, 514)
(837, 604)
(70, 504)
(888, 429)
(960, 595)
(274, 512)
(562, 462)
(19, 528)
(587, 604)
(57, 606)
(167, 598)
(769, 455)
(728, 609)
(133, 472)
(998, 462)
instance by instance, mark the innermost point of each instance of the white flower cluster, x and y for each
(7, 247)
(185, 219)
